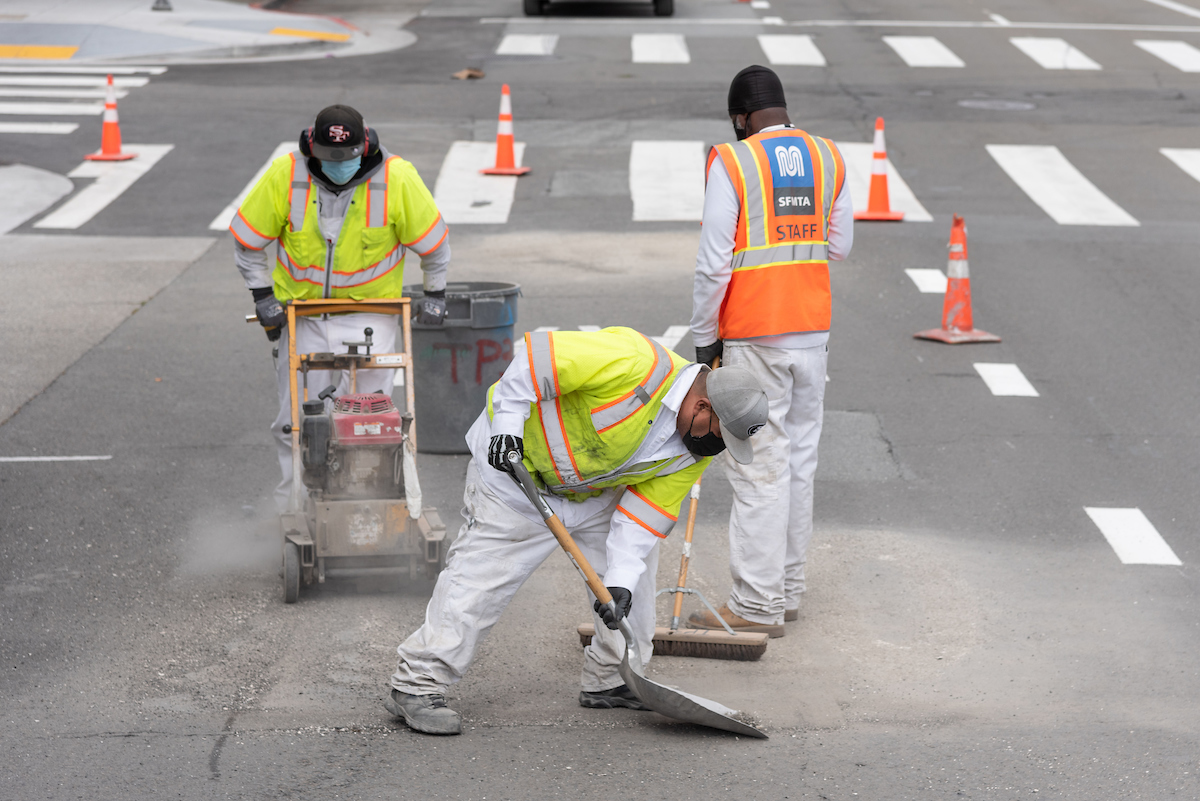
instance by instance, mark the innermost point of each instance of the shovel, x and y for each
(663, 700)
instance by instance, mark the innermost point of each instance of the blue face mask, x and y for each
(341, 171)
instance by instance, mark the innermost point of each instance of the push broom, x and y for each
(703, 643)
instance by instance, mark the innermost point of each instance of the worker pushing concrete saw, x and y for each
(344, 211)
(615, 429)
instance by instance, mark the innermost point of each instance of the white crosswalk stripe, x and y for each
(797, 50)
(222, 220)
(74, 94)
(858, 156)
(46, 85)
(112, 179)
(525, 44)
(82, 70)
(923, 51)
(464, 195)
(1005, 380)
(1132, 536)
(52, 109)
(1186, 158)
(660, 48)
(666, 180)
(119, 81)
(672, 335)
(1054, 183)
(38, 127)
(1180, 55)
(1053, 54)
(928, 281)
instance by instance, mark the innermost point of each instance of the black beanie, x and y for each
(755, 88)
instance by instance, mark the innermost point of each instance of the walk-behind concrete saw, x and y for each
(355, 510)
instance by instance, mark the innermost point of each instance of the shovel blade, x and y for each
(683, 706)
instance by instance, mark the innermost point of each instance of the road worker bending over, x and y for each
(616, 429)
(344, 210)
(776, 210)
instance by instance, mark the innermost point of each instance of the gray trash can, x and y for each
(456, 363)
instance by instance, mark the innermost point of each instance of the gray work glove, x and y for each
(708, 353)
(431, 309)
(622, 599)
(499, 448)
(271, 315)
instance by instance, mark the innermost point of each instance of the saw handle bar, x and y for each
(525, 482)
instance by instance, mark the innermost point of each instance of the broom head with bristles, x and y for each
(742, 646)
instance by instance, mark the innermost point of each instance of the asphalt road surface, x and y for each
(971, 630)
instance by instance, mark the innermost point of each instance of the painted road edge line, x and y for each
(12, 459)
(113, 178)
(1005, 380)
(1132, 536)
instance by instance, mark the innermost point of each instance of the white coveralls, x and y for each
(770, 524)
(504, 540)
(326, 334)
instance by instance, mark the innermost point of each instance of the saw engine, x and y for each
(356, 449)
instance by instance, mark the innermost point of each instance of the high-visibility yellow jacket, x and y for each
(391, 212)
(598, 393)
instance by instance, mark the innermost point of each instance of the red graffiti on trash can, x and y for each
(454, 348)
(491, 351)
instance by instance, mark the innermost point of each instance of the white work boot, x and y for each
(424, 713)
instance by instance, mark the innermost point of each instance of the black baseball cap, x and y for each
(338, 134)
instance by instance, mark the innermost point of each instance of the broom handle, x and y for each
(687, 555)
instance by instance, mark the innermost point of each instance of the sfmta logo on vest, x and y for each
(791, 160)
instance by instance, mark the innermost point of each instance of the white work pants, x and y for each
(770, 524)
(497, 549)
(314, 335)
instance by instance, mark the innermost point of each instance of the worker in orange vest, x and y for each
(776, 210)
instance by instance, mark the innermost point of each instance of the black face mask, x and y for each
(708, 445)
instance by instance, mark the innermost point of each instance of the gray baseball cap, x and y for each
(741, 405)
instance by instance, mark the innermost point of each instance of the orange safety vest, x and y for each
(786, 182)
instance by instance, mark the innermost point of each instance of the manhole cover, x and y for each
(997, 105)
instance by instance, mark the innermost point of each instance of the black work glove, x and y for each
(431, 309)
(622, 599)
(499, 448)
(270, 312)
(706, 354)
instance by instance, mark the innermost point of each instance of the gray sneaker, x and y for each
(612, 699)
(424, 713)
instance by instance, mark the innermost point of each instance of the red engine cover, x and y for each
(366, 419)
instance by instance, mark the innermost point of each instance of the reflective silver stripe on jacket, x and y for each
(608, 416)
(430, 240)
(247, 235)
(828, 174)
(560, 452)
(314, 274)
(756, 213)
(301, 185)
(785, 253)
(377, 198)
(645, 513)
(541, 361)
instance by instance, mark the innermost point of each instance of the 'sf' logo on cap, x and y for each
(337, 133)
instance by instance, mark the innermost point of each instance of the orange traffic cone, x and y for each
(878, 205)
(958, 326)
(110, 136)
(505, 161)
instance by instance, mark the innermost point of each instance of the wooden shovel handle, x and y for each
(687, 548)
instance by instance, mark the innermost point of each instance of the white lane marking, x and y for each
(52, 109)
(1180, 7)
(112, 179)
(54, 458)
(1005, 379)
(545, 328)
(666, 180)
(791, 50)
(38, 127)
(222, 220)
(999, 20)
(759, 4)
(1055, 184)
(527, 44)
(1186, 158)
(1053, 54)
(672, 335)
(72, 80)
(929, 281)
(81, 70)
(858, 156)
(1180, 55)
(466, 196)
(75, 94)
(1132, 536)
(659, 48)
(923, 51)
(589, 328)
